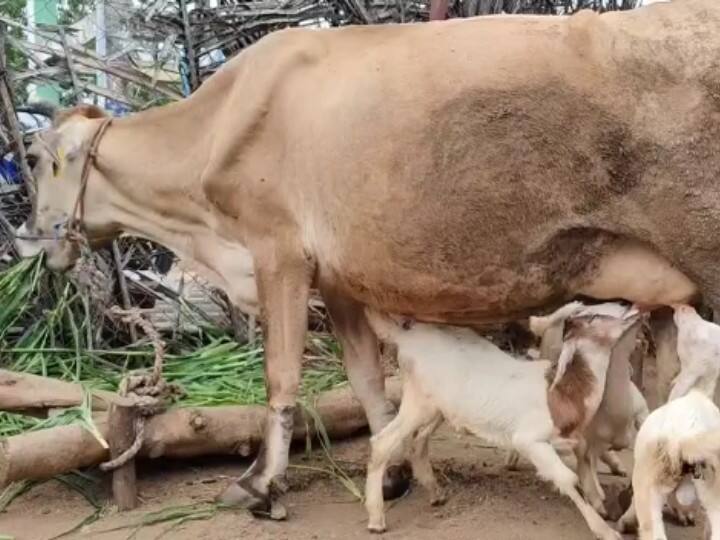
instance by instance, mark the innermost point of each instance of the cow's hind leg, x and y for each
(284, 290)
(362, 363)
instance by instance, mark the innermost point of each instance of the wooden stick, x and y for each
(9, 107)
(127, 304)
(121, 437)
(177, 433)
(189, 47)
(23, 392)
(77, 87)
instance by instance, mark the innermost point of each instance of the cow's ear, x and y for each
(75, 136)
(84, 111)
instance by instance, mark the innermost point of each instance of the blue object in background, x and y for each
(9, 170)
(116, 108)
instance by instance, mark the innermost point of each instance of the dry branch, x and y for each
(177, 433)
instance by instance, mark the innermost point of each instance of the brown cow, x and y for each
(398, 168)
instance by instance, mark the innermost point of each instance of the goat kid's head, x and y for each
(685, 314)
(600, 328)
(593, 334)
(57, 158)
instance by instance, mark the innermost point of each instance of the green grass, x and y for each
(45, 329)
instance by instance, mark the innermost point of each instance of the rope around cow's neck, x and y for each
(75, 223)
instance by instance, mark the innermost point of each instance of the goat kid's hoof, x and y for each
(438, 498)
(626, 526)
(396, 481)
(377, 527)
(680, 516)
(242, 495)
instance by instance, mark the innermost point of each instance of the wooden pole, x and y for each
(125, 293)
(7, 104)
(77, 87)
(121, 437)
(438, 10)
(189, 47)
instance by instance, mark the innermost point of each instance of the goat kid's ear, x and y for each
(566, 357)
(570, 327)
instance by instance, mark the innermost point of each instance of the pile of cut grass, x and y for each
(46, 329)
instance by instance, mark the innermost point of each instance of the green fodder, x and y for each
(45, 329)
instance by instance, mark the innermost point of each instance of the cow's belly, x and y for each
(497, 292)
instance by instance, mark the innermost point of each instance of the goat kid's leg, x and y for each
(284, 293)
(679, 513)
(421, 466)
(550, 467)
(511, 460)
(628, 522)
(387, 445)
(362, 364)
(648, 501)
(587, 474)
(664, 333)
(611, 459)
(709, 495)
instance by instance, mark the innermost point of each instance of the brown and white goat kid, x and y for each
(623, 407)
(528, 406)
(681, 436)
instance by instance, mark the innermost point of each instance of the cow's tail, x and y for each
(539, 325)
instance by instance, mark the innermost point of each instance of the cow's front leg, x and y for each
(362, 364)
(284, 288)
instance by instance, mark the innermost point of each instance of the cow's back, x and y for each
(491, 162)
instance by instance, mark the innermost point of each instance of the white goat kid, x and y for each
(685, 431)
(446, 375)
(678, 438)
(698, 347)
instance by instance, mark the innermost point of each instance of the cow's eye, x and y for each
(32, 160)
(56, 168)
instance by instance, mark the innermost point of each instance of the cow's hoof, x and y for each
(396, 481)
(242, 495)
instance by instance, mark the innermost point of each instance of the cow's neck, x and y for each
(150, 170)
(148, 183)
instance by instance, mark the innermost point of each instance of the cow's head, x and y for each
(57, 157)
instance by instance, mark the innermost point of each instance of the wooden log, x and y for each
(23, 392)
(178, 433)
(121, 437)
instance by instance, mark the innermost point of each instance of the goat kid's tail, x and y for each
(703, 447)
(539, 325)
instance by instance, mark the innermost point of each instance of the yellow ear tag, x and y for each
(60, 163)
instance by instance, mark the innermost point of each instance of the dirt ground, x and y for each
(485, 502)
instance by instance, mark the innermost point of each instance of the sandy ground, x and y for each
(486, 502)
